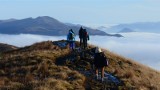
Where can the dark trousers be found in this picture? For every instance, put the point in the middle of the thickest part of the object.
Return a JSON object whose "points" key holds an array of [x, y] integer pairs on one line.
{"points": [[72, 45], [81, 41], [84, 43]]}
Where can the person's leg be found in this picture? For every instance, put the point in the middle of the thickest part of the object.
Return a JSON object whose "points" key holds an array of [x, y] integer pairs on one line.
{"points": [[96, 73], [86, 43], [80, 42], [102, 73], [83, 43], [72, 45]]}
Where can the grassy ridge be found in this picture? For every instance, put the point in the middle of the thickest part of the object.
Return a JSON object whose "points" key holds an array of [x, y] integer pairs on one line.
{"points": [[46, 66], [132, 73], [34, 67]]}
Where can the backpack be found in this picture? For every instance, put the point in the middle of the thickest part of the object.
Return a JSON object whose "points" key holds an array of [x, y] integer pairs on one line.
{"points": [[71, 36], [85, 34], [105, 60]]}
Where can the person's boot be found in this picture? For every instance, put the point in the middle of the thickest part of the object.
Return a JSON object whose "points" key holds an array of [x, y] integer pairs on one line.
{"points": [[102, 80], [96, 77]]}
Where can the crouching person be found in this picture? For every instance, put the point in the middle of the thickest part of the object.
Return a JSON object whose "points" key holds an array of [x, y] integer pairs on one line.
{"points": [[100, 61]]}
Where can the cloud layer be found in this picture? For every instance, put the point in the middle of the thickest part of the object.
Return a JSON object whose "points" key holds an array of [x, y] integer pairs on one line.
{"points": [[141, 47]]}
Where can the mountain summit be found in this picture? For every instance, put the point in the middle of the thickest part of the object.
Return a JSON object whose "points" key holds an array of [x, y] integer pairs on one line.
{"points": [[43, 25]]}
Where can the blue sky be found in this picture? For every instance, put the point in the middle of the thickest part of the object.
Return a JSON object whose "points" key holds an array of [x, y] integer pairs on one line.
{"points": [[86, 12]]}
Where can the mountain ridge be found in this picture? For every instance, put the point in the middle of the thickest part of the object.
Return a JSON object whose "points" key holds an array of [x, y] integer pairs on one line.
{"points": [[44, 25], [6, 47], [152, 27], [51, 65]]}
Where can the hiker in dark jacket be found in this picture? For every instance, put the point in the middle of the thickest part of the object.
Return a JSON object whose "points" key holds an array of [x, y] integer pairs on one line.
{"points": [[81, 35], [71, 39], [99, 62], [85, 36]]}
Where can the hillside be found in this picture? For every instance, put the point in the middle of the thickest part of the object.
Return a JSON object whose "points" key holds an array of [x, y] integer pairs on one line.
{"points": [[51, 66], [6, 47], [44, 25]]}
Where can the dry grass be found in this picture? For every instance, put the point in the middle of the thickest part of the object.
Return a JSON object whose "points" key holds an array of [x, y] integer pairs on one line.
{"points": [[34, 68], [132, 73], [6, 47]]}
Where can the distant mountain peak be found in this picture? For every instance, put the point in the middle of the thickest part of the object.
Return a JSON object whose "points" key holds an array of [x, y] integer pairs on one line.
{"points": [[47, 19], [152, 27], [126, 30], [44, 17]]}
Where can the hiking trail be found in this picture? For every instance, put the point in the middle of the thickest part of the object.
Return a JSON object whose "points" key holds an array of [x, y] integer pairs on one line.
{"points": [[82, 61]]}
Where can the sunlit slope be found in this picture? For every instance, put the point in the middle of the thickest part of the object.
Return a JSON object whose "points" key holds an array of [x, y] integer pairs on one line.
{"points": [[51, 66]]}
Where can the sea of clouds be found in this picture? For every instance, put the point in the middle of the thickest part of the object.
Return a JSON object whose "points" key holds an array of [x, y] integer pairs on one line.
{"points": [[141, 47]]}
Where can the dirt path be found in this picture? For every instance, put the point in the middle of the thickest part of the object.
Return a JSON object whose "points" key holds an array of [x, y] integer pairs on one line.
{"points": [[82, 61]]}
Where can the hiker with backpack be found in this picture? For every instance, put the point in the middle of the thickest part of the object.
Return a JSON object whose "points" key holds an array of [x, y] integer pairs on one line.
{"points": [[85, 37], [71, 39], [100, 61], [81, 36]]}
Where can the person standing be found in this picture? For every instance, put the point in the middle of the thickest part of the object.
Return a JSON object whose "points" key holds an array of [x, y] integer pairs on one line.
{"points": [[81, 35], [85, 36], [71, 39], [99, 62]]}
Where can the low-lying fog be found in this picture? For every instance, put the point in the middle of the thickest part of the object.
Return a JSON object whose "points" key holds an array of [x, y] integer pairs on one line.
{"points": [[141, 47]]}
